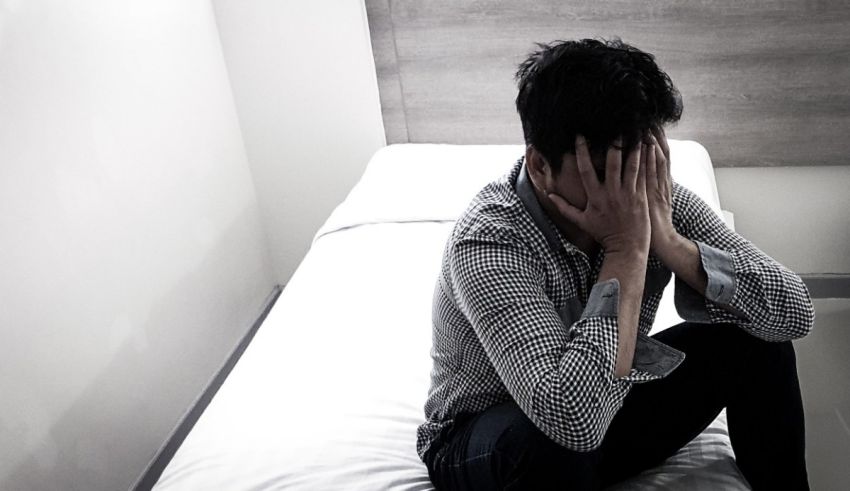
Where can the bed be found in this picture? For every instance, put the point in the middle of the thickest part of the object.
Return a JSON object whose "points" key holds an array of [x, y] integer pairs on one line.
{"points": [[330, 391]]}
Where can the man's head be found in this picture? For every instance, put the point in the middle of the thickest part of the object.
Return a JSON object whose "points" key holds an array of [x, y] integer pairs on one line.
{"points": [[600, 89]]}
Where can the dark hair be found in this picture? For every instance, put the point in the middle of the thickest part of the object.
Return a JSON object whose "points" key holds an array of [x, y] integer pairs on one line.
{"points": [[600, 89]]}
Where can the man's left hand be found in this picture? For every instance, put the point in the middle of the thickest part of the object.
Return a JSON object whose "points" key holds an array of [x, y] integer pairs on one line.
{"points": [[659, 193]]}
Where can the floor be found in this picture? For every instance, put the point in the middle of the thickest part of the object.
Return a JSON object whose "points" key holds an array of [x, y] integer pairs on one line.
{"points": [[823, 365]]}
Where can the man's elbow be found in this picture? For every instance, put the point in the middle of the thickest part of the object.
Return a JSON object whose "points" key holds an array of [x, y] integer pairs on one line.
{"points": [[801, 320], [807, 321], [575, 417], [584, 444], [578, 434], [791, 325]]}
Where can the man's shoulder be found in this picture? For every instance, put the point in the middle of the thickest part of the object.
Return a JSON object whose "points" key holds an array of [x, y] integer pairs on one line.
{"points": [[689, 208], [680, 193], [492, 213]]}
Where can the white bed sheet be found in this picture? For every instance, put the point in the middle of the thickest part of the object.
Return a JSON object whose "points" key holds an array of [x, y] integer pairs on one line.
{"points": [[330, 391]]}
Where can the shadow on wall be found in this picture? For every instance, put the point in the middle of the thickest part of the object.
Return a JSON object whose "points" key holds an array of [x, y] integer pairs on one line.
{"points": [[108, 436]]}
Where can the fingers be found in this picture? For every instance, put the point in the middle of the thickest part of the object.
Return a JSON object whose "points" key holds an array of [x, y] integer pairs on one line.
{"points": [[663, 169], [633, 167], [640, 186], [613, 164], [650, 163], [662, 166], [661, 140], [585, 167], [569, 211]]}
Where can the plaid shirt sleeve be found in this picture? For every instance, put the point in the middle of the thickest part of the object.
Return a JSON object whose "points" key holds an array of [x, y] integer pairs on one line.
{"points": [[561, 376], [745, 286]]}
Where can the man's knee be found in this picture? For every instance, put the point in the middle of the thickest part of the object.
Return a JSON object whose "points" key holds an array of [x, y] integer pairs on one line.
{"points": [[734, 335], [756, 347], [759, 356], [726, 355]]}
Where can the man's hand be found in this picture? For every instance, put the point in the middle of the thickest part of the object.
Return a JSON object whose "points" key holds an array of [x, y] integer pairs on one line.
{"points": [[676, 252], [617, 213], [659, 194], [617, 217]]}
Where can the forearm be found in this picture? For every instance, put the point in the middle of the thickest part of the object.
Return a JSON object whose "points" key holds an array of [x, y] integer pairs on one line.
{"points": [[681, 256], [629, 268]]}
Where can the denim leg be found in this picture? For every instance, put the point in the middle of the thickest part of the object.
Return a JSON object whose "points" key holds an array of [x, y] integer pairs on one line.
{"points": [[660, 417], [766, 418], [755, 380], [502, 449]]}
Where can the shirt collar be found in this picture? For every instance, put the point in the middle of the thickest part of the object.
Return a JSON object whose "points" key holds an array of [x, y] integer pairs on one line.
{"points": [[525, 192]]}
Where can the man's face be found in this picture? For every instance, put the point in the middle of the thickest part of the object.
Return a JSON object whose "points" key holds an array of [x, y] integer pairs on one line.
{"points": [[568, 183]]}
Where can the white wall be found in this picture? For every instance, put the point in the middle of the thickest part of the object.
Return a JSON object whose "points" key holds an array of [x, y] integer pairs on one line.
{"points": [[131, 249], [307, 96], [800, 216]]}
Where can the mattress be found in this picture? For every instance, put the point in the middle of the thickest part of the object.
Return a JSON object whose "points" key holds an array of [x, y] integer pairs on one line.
{"points": [[330, 391]]}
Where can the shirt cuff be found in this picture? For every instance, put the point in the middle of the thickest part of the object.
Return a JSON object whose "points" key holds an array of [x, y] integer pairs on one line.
{"points": [[652, 359], [720, 289], [604, 299], [720, 270]]}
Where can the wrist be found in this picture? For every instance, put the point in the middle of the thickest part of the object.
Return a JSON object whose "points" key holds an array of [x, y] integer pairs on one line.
{"points": [[663, 244], [626, 246], [628, 265]]}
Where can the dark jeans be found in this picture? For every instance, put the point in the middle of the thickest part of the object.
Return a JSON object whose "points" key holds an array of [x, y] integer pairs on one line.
{"points": [[756, 381]]}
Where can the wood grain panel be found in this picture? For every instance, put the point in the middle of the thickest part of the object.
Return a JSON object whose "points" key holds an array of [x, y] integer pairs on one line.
{"points": [[764, 83], [386, 68]]}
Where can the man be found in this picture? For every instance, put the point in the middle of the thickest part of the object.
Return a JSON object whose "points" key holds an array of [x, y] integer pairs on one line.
{"points": [[544, 376]]}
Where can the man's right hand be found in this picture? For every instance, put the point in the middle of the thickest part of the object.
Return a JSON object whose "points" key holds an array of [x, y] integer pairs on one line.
{"points": [[617, 217], [617, 213]]}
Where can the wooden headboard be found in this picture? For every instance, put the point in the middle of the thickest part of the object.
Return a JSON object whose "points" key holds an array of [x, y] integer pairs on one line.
{"points": [[764, 83]]}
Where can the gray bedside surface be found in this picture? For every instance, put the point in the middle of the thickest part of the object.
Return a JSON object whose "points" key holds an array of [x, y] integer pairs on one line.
{"points": [[823, 365]]}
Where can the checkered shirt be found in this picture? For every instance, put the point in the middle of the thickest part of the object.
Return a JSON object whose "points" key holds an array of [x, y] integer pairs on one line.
{"points": [[518, 314]]}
